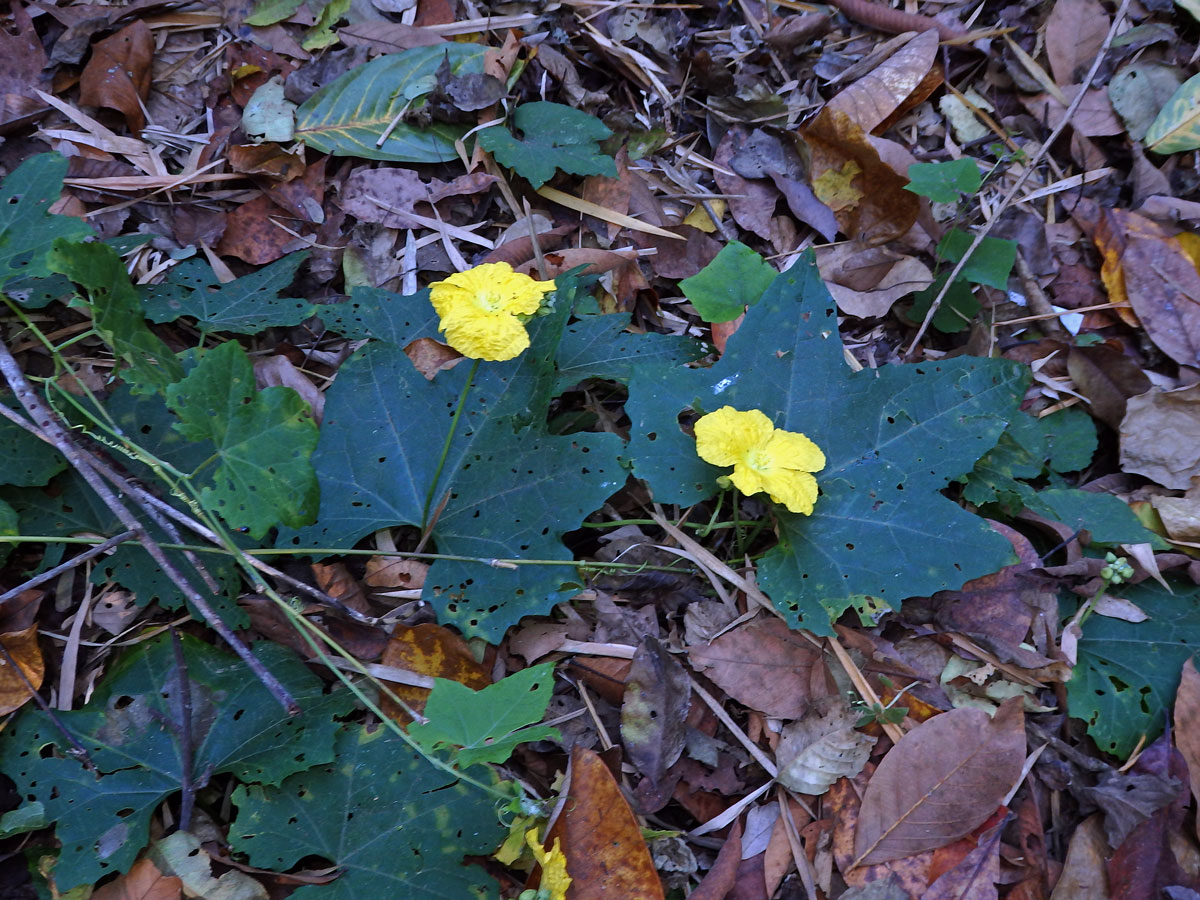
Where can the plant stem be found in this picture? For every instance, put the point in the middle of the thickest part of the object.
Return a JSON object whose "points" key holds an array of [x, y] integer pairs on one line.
{"points": [[437, 475]]}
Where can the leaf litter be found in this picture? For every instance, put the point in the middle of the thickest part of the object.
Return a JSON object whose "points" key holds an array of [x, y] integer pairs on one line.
{"points": [[928, 688]]}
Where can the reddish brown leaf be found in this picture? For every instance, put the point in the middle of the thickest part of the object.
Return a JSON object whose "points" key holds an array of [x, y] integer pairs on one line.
{"points": [[432, 650], [118, 74], [430, 357], [766, 666], [606, 854], [267, 159], [718, 881], [1187, 721], [843, 802], [877, 208], [876, 95], [1075, 31], [21, 62], [143, 881], [1108, 378], [975, 876], [940, 782]]}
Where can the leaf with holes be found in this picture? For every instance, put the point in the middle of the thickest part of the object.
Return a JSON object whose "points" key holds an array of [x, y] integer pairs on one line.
{"points": [[27, 460], [508, 489], [1127, 673], [392, 824], [893, 437], [26, 230], [263, 441], [248, 305], [350, 116], [130, 730]]}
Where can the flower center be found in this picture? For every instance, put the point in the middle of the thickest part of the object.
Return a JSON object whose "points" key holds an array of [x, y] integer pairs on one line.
{"points": [[759, 460]]}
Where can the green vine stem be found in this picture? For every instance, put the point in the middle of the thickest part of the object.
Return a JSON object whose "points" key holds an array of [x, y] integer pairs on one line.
{"points": [[437, 475]]}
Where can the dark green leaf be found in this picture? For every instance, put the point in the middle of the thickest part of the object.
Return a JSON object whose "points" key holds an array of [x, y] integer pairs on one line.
{"points": [[944, 182], [248, 305], [553, 137], [26, 229], [28, 460], [382, 315], [991, 262], [1127, 673], [485, 726], [117, 312], [511, 489], [263, 442], [735, 278], [893, 437], [600, 347], [349, 116], [958, 308], [394, 825], [1109, 519], [130, 729]]}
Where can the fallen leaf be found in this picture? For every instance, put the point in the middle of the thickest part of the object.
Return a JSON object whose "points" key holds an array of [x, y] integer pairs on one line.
{"points": [[719, 880], [875, 96], [180, 854], [1128, 799], [838, 146], [751, 201], [142, 882], [399, 198], [433, 650], [843, 802], [1137, 93], [21, 62], [866, 281], [1160, 436], [976, 874], [606, 853], [1094, 117], [1177, 126], [1180, 515], [1187, 721], [118, 74], [1107, 378], [766, 666], [658, 694], [430, 356], [1075, 32], [940, 782], [1083, 875], [822, 747], [267, 159]]}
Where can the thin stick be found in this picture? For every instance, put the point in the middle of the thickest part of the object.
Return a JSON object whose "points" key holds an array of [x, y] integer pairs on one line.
{"points": [[46, 420], [187, 749], [1021, 179], [50, 574]]}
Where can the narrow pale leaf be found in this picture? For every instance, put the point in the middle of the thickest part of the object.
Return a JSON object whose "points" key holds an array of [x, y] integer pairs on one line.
{"points": [[1177, 126]]}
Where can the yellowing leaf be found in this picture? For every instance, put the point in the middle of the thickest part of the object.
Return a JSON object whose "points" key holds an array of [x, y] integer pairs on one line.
{"points": [[1177, 127], [555, 879], [835, 188]]}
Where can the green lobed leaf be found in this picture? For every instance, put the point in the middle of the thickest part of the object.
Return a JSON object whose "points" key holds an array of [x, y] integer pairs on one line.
{"points": [[944, 182], [1126, 674], [1108, 519], [392, 824], [321, 34], [893, 437], [600, 347], [1176, 128], [117, 312], [958, 308], [485, 726], [349, 116], [250, 304], [268, 12], [736, 277], [382, 315], [554, 136], [26, 229], [511, 489], [991, 262], [130, 729], [263, 441]]}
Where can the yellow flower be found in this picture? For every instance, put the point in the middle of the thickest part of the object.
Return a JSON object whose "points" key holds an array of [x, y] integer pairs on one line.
{"points": [[764, 458], [555, 879], [479, 310]]}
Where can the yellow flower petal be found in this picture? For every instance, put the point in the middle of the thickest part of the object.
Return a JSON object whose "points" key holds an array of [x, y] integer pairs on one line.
{"points": [[727, 436], [795, 490], [490, 336], [479, 308], [554, 866], [791, 450]]}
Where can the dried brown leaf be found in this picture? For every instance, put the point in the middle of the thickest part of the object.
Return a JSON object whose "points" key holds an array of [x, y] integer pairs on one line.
{"points": [[843, 803], [765, 666], [1107, 378], [1075, 31], [432, 650], [1160, 436], [719, 880], [866, 281], [1083, 876], [1187, 720], [975, 875], [871, 203], [430, 357], [940, 782], [751, 201], [606, 853], [658, 694], [876, 95], [118, 74], [143, 881], [822, 747]]}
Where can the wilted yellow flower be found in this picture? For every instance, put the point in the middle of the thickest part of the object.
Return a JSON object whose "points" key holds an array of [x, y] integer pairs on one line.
{"points": [[555, 879], [764, 458], [479, 310]]}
